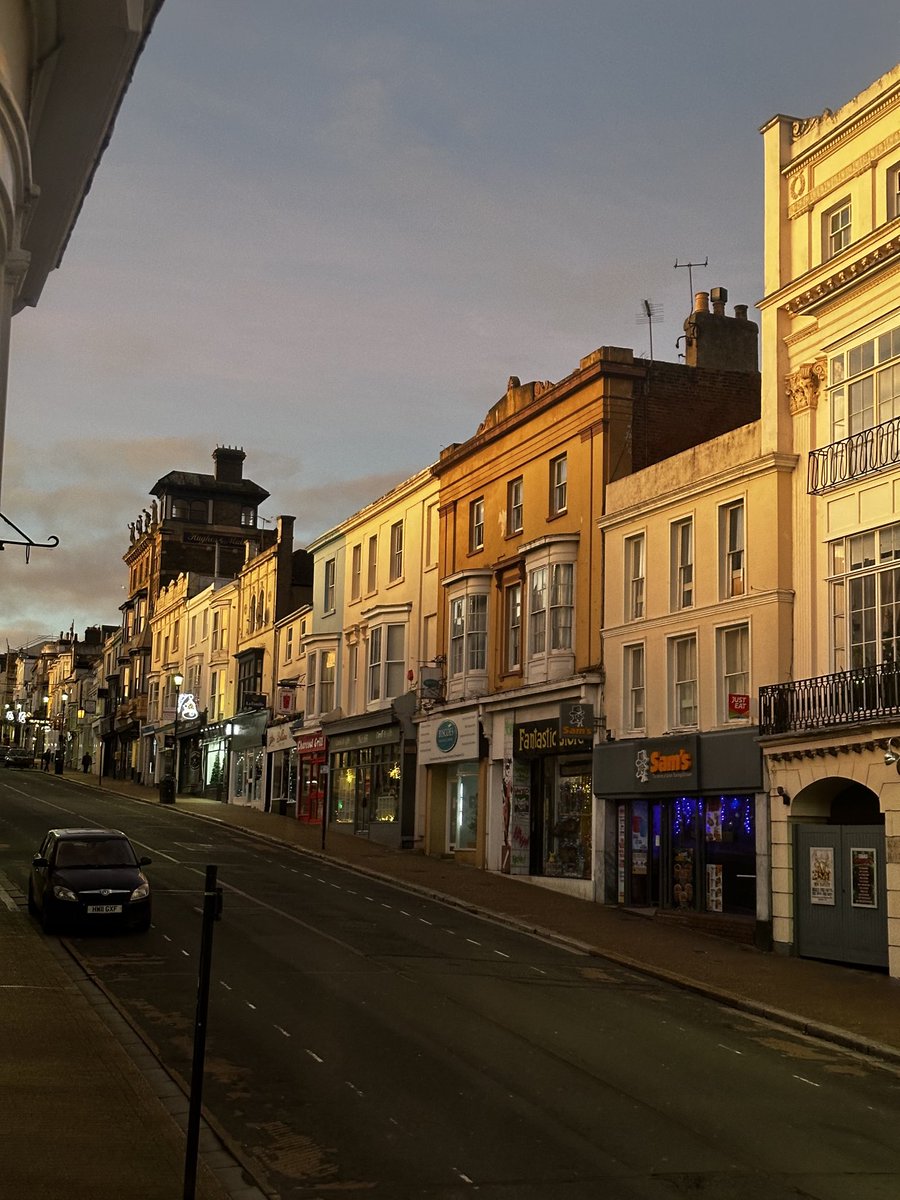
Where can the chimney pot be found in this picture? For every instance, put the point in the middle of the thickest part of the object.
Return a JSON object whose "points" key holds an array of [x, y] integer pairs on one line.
{"points": [[740, 312], [701, 302]]}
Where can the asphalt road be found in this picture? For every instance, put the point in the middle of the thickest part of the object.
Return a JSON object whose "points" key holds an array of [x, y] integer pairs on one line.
{"points": [[364, 1040]]}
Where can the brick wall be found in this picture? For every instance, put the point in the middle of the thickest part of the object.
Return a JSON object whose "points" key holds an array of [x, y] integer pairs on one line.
{"points": [[677, 407]]}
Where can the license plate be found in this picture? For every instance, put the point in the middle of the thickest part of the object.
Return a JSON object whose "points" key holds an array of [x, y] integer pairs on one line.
{"points": [[104, 908]]}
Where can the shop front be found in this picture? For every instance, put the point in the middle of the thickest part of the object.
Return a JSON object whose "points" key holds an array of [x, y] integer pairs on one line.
{"points": [[686, 822], [372, 770], [281, 769], [449, 748], [312, 770], [548, 799], [248, 758], [214, 748]]}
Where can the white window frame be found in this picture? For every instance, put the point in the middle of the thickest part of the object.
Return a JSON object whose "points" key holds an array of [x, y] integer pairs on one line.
{"points": [[356, 571], [512, 616], [328, 585], [733, 673], [635, 578], [837, 228], [476, 525], [635, 689], [682, 560], [684, 706], [562, 606], [733, 549], [372, 565], [469, 618], [515, 509], [288, 643], [396, 561], [537, 611], [893, 192], [559, 485]]}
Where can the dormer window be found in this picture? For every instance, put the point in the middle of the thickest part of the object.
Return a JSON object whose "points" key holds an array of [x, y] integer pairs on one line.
{"points": [[181, 509], [248, 515]]}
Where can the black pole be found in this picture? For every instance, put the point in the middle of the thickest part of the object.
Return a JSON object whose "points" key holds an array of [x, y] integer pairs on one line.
{"points": [[211, 909], [325, 807]]}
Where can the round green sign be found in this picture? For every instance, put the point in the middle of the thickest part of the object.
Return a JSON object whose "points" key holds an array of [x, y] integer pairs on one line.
{"points": [[447, 736]]}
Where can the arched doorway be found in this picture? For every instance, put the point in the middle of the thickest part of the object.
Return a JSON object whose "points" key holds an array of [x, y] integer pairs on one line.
{"points": [[840, 896]]}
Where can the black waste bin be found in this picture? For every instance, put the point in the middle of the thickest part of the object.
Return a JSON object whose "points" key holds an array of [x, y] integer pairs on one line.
{"points": [[58, 764], [167, 789]]}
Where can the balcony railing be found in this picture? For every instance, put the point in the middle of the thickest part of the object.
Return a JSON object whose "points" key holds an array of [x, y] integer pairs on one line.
{"points": [[861, 454], [830, 701]]}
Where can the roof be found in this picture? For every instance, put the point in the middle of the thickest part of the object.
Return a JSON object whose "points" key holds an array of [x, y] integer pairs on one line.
{"points": [[194, 481]]}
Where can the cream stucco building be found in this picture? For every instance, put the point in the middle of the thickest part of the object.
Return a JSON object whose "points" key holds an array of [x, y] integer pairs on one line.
{"points": [[831, 397]]}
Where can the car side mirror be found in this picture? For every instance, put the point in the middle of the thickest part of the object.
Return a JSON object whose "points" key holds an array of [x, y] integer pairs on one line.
{"points": [[145, 861], [39, 861]]}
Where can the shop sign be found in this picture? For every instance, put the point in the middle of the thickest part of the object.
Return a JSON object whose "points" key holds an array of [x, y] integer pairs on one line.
{"points": [[576, 720], [660, 764], [738, 705], [365, 737], [447, 736], [539, 738], [311, 743], [448, 739], [279, 737]]}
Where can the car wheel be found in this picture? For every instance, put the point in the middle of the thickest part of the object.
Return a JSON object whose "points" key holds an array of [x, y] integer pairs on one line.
{"points": [[47, 923], [32, 907], [143, 926]]}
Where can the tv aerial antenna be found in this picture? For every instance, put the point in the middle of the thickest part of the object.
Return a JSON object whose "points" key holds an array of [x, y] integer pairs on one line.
{"points": [[690, 270], [649, 312]]}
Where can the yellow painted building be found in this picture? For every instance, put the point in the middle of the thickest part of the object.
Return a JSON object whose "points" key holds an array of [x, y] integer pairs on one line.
{"points": [[831, 387], [508, 744]]}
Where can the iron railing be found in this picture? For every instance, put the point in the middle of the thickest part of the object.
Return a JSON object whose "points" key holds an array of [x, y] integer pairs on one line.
{"points": [[849, 697], [853, 457]]}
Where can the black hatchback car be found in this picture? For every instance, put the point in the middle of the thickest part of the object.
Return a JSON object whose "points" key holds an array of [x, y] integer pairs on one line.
{"points": [[89, 876]]}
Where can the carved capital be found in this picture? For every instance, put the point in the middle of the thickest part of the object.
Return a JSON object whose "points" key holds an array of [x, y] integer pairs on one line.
{"points": [[803, 386]]}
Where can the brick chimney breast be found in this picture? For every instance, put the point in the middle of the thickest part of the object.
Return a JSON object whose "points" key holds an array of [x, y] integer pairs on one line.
{"points": [[716, 342], [229, 462]]}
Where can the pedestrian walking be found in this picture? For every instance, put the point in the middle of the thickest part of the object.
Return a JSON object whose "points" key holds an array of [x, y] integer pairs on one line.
{"points": [[45, 759], [86, 761]]}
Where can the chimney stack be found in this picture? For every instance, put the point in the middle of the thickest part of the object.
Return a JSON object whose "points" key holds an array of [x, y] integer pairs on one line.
{"points": [[716, 342], [229, 462]]}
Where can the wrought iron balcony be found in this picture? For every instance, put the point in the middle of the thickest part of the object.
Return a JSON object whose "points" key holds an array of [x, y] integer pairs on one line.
{"points": [[853, 457], [830, 701]]}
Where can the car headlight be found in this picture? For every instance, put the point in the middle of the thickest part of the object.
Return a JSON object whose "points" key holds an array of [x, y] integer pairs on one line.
{"points": [[63, 893], [141, 892]]}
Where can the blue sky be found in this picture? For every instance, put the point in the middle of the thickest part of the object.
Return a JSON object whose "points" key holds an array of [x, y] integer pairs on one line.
{"points": [[328, 231]]}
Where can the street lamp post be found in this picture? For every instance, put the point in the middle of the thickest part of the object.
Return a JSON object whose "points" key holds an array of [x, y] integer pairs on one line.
{"points": [[178, 680]]}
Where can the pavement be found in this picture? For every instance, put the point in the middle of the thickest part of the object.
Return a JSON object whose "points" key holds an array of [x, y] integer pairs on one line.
{"points": [[57, 1026]]}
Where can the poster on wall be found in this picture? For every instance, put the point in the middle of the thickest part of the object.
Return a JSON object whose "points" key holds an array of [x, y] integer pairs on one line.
{"points": [[683, 872], [639, 837], [821, 875], [620, 854], [520, 820], [862, 875], [713, 887], [713, 823]]}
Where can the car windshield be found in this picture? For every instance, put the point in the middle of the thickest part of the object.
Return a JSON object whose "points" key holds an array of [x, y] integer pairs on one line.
{"points": [[95, 852]]}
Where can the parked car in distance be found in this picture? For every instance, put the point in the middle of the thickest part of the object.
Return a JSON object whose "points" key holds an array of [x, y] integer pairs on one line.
{"points": [[82, 877], [18, 756]]}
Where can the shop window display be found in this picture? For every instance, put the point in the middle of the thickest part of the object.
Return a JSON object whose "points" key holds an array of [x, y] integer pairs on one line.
{"points": [[567, 825]]}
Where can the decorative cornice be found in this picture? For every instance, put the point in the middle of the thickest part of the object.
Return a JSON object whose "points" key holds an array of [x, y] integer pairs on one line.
{"points": [[798, 183], [845, 277], [802, 386]]}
